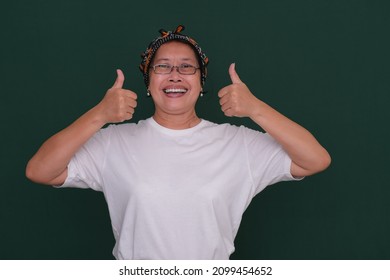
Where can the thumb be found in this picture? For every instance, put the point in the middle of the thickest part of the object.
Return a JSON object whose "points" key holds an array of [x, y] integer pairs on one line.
{"points": [[119, 79], [233, 74]]}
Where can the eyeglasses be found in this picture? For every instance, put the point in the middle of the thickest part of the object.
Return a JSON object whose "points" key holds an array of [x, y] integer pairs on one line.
{"points": [[185, 69]]}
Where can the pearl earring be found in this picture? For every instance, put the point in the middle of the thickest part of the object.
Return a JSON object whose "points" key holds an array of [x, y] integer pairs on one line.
{"points": [[148, 93]]}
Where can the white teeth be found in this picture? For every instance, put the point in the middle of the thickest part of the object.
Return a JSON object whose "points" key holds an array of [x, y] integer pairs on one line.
{"points": [[175, 90]]}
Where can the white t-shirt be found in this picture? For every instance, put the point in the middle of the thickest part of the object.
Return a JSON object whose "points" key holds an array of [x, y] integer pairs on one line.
{"points": [[177, 194]]}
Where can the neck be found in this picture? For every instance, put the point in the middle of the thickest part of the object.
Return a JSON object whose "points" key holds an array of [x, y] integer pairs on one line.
{"points": [[176, 121]]}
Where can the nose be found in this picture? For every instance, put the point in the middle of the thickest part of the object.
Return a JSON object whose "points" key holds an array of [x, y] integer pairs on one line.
{"points": [[174, 76]]}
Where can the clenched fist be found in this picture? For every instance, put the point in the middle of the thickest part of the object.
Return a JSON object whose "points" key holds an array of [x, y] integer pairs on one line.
{"points": [[236, 99], [118, 104]]}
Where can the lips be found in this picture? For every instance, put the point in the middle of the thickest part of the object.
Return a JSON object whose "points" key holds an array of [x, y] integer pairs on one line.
{"points": [[175, 91]]}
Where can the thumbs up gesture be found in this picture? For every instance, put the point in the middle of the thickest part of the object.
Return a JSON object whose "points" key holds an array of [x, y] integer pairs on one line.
{"points": [[118, 104], [236, 99]]}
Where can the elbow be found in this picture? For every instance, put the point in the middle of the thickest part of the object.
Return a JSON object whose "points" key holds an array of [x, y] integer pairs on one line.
{"points": [[323, 162], [326, 160], [34, 174], [316, 165], [31, 173], [39, 174]]}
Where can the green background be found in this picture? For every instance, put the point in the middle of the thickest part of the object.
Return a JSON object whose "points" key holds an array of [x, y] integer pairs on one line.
{"points": [[324, 64]]}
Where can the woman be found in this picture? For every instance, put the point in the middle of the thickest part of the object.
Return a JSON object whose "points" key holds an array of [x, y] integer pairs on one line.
{"points": [[176, 185]]}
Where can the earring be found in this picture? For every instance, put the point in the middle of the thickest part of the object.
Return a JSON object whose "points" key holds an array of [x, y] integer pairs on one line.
{"points": [[201, 92], [147, 93]]}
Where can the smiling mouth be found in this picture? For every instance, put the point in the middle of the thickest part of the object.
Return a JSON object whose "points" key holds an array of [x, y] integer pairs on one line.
{"points": [[175, 92]]}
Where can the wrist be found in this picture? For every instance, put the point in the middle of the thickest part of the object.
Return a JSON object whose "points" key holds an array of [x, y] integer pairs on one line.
{"points": [[257, 110], [96, 117]]}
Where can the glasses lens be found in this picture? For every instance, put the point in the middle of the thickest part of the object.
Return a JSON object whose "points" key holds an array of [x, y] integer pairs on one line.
{"points": [[187, 69], [162, 69], [184, 69]]}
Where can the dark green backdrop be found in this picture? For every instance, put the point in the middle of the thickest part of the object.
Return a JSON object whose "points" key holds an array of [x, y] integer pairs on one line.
{"points": [[325, 64]]}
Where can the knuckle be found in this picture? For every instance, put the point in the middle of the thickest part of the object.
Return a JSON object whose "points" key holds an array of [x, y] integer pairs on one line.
{"points": [[121, 115], [118, 116]]}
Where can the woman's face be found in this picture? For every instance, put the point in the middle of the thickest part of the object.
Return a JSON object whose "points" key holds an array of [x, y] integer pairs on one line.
{"points": [[175, 93]]}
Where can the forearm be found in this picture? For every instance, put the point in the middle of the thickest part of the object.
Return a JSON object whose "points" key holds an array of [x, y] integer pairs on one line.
{"points": [[53, 157], [49, 164], [306, 153]]}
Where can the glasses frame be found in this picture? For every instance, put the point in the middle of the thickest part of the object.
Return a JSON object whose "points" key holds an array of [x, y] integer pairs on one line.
{"points": [[177, 68]]}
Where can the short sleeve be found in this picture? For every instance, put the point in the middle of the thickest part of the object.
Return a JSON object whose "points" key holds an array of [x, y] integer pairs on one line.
{"points": [[268, 162], [86, 167]]}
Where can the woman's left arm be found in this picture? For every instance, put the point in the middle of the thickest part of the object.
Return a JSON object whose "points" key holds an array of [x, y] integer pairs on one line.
{"points": [[307, 155]]}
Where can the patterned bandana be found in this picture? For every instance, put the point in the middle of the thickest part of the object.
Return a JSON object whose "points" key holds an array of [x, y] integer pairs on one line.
{"points": [[165, 37]]}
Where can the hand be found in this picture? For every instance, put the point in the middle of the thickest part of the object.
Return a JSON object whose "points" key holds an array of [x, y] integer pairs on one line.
{"points": [[237, 100], [118, 104]]}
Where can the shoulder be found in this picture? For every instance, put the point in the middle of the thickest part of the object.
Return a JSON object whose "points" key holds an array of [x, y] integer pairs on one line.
{"points": [[230, 129], [124, 128], [246, 136], [115, 132]]}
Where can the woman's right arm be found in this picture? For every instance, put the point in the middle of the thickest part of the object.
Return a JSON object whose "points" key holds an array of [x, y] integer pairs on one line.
{"points": [[50, 164]]}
